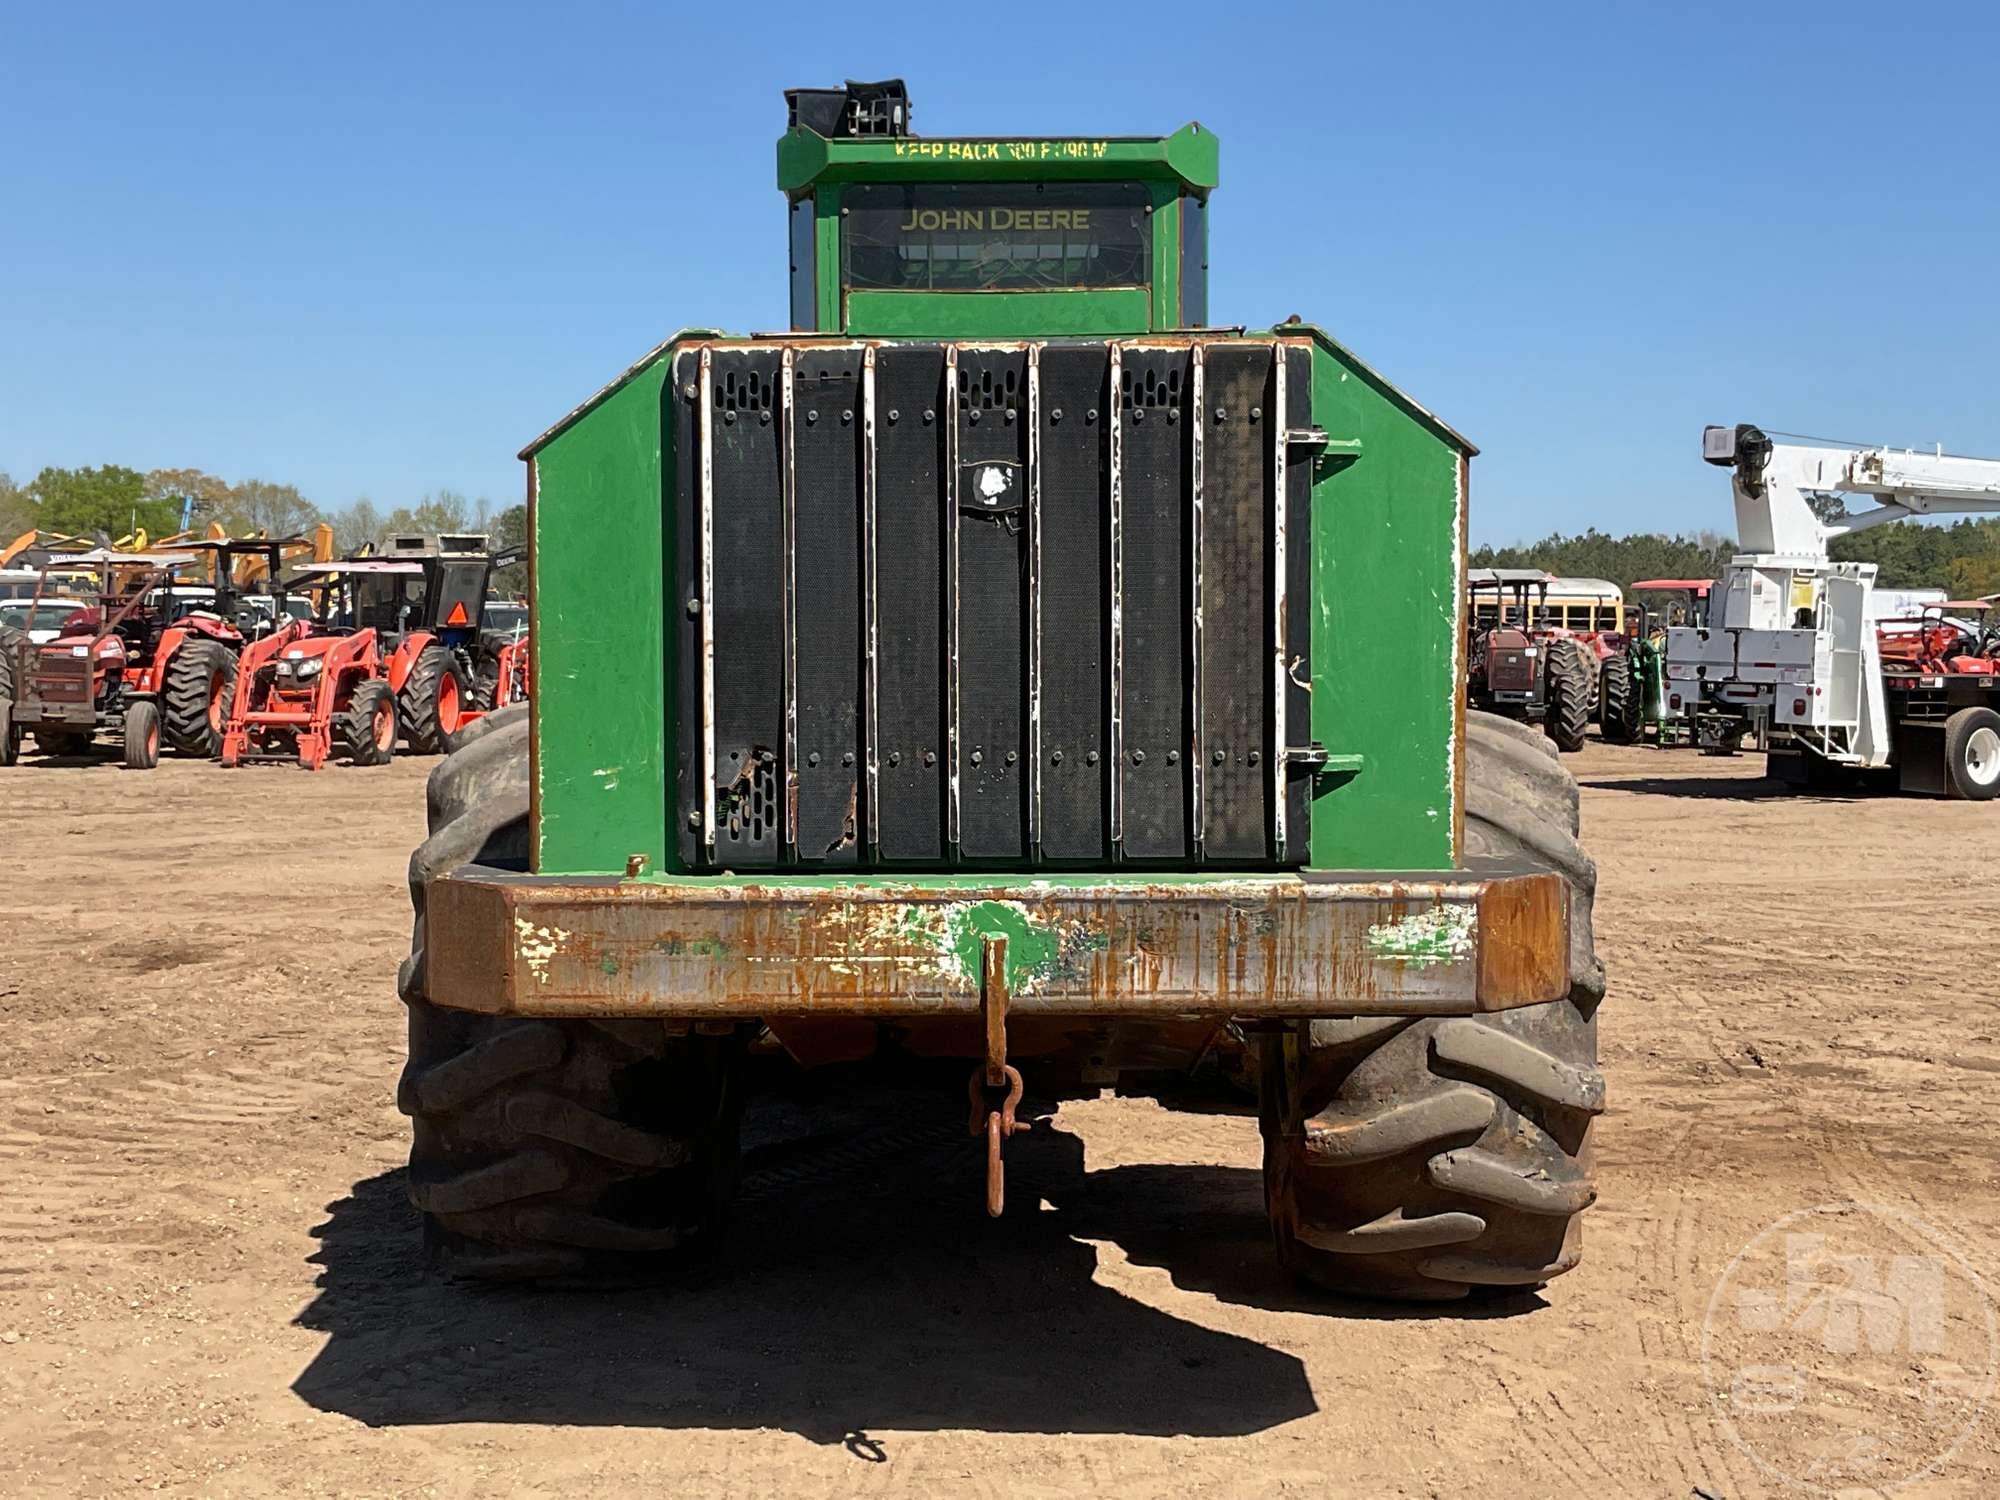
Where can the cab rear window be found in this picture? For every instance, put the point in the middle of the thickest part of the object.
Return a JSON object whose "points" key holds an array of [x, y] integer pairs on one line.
{"points": [[989, 237]]}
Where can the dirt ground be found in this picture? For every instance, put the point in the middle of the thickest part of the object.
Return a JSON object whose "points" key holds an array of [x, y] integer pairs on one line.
{"points": [[210, 1280]]}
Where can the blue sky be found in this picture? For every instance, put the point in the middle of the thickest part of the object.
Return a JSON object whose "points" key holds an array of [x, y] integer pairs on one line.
{"points": [[371, 250]]}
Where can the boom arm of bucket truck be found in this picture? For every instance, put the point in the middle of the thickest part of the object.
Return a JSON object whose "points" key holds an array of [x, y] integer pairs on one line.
{"points": [[1790, 637], [1774, 480]]}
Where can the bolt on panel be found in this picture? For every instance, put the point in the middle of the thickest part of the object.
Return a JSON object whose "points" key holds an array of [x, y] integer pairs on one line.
{"points": [[1030, 605], [909, 593], [1153, 561], [988, 630], [829, 594], [1073, 543], [1236, 601]]}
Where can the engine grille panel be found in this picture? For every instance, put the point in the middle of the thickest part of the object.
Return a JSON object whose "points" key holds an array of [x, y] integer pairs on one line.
{"points": [[973, 605]]}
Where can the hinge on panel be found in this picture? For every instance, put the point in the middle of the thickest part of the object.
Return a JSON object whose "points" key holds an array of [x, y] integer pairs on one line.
{"points": [[1334, 453], [1313, 760]]}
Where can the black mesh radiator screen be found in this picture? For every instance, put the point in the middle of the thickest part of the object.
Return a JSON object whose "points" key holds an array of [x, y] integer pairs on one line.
{"points": [[951, 605]]}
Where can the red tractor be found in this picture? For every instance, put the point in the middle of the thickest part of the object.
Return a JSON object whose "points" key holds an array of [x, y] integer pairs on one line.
{"points": [[105, 672], [181, 622], [415, 618], [1515, 668]]}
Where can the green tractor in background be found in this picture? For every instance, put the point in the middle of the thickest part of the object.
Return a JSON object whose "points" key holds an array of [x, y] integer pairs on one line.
{"points": [[992, 670], [1638, 702]]}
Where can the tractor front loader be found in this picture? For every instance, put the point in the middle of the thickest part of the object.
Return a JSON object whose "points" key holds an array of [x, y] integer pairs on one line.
{"points": [[992, 669], [307, 694], [424, 597]]}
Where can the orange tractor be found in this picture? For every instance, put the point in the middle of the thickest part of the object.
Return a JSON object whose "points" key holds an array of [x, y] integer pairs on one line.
{"points": [[401, 629]]}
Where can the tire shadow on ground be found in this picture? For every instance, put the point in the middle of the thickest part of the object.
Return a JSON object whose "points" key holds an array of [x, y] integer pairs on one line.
{"points": [[858, 1291], [1724, 788]]}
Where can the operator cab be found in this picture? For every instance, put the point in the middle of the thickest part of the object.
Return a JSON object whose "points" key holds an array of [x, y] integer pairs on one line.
{"points": [[896, 236]]}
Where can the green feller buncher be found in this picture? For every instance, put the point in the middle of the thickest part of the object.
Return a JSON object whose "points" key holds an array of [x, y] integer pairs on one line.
{"points": [[1004, 664]]}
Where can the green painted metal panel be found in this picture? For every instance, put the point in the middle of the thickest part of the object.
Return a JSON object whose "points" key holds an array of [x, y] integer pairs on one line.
{"points": [[1070, 311], [1166, 257], [601, 697], [1189, 156], [826, 239], [1388, 528]]}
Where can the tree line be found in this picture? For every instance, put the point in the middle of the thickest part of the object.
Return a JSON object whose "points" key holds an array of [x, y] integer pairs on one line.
{"points": [[1963, 558], [112, 501]]}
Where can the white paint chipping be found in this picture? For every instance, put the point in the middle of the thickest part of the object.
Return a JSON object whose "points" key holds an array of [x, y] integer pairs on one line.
{"points": [[1442, 935], [538, 945]]}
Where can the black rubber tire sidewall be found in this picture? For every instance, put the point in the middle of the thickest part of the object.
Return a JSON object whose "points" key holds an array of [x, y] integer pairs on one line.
{"points": [[1521, 811]]}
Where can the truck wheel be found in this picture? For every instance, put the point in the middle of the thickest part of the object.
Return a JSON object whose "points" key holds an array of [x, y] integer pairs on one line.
{"points": [[10, 739], [364, 732], [1972, 754], [195, 698], [552, 1149], [434, 699], [1571, 689], [1623, 710], [142, 735], [1422, 1160]]}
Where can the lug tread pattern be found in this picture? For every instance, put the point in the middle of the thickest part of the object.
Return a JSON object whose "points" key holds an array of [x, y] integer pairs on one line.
{"points": [[1505, 1059], [1336, 1136], [1572, 680], [1394, 1232], [1380, 1139], [417, 704], [354, 726], [1621, 722], [552, 1150], [184, 696]]}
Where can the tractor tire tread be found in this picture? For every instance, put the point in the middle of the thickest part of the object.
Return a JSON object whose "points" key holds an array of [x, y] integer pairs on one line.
{"points": [[1571, 689], [142, 735], [553, 1149], [1386, 1143], [1622, 720], [354, 726], [186, 693], [11, 638], [416, 704]]}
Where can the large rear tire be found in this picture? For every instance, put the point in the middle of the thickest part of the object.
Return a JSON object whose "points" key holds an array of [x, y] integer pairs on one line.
{"points": [[1423, 1160], [552, 1149], [1623, 710], [10, 738], [1572, 682], [195, 698], [435, 696], [11, 641]]}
